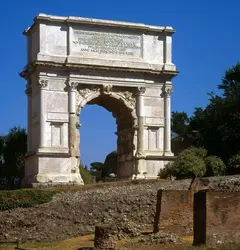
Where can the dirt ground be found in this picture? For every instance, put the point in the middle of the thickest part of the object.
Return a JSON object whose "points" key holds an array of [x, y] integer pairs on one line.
{"points": [[87, 242]]}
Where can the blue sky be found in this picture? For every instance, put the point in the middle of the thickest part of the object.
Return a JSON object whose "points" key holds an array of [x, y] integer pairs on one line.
{"points": [[207, 42]]}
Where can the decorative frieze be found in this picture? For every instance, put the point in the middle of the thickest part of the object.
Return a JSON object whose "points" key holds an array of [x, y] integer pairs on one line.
{"points": [[84, 92], [141, 90]]}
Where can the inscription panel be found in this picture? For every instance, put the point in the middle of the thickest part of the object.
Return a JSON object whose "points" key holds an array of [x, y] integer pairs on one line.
{"points": [[154, 121], [106, 43]]}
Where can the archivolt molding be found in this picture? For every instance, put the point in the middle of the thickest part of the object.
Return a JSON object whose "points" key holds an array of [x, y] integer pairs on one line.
{"points": [[86, 94]]}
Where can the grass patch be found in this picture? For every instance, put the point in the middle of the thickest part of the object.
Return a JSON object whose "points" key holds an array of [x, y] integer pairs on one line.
{"points": [[11, 199]]}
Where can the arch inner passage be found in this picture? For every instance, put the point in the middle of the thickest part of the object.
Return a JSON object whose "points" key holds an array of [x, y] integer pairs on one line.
{"points": [[125, 133]]}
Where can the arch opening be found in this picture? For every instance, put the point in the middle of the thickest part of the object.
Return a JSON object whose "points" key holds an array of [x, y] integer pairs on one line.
{"points": [[125, 120]]}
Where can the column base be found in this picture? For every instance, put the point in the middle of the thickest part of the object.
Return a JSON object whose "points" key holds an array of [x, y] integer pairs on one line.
{"points": [[141, 167], [51, 170], [139, 177]]}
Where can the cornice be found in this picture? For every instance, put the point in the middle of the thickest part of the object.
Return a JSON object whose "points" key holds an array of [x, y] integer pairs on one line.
{"points": [[70, 66], [43, 18]]}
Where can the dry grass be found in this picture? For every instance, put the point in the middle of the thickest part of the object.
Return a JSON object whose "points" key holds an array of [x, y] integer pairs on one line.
{"points": [[87, 242], [77, 243], [70, 244]]}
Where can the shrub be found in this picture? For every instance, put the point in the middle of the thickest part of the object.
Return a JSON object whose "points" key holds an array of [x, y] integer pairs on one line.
{"points": [[86, 176], [214, 166], [234, 164], [188, 165], [167, 171], [24, 198], [200, 152], [194, 162]]}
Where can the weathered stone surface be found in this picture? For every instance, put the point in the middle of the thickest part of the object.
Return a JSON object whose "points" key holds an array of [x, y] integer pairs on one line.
{"points": [[111, 230], [216, 217], [159, 238], [75, 213], [174, 212], [105, 237], [124, 67], [123, 227]]}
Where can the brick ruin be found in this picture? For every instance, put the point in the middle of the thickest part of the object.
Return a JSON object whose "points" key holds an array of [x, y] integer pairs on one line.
{"points": [[174, 211], [212, 215], [216, 217], [209, 211]]}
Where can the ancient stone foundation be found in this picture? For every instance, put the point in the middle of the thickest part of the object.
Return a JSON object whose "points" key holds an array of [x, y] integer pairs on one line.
{"points": [[71, 214]]}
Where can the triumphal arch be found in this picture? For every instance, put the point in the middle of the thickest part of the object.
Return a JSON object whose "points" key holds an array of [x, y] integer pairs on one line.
{"points": [[124, 67]]}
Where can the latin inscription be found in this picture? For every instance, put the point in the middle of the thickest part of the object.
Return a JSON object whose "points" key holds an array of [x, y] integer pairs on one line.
{"points": [[106, 43]]}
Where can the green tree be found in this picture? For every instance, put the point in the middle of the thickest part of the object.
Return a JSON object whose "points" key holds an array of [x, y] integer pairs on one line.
{"points": [[193, 162], [200, 152], [167, 172], [85, 174], [179, 123], [217, 127], [14, 149], [1, 155], [234, 164], [96, 166], [110, 164], [189, 164]]}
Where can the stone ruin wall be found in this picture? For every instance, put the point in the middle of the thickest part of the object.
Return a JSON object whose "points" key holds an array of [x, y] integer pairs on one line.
{"points": [[78, 212], [174, 212], [216, 217]]}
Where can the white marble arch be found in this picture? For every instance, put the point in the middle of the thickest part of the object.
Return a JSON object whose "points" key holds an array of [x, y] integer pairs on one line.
{"points": [[125, 67]]}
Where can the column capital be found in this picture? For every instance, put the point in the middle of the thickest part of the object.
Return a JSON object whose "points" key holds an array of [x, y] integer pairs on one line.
{"points": [[140, 155], [167, 91], [72, 85], [140, 90], [42, 83], [28, 90]]}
